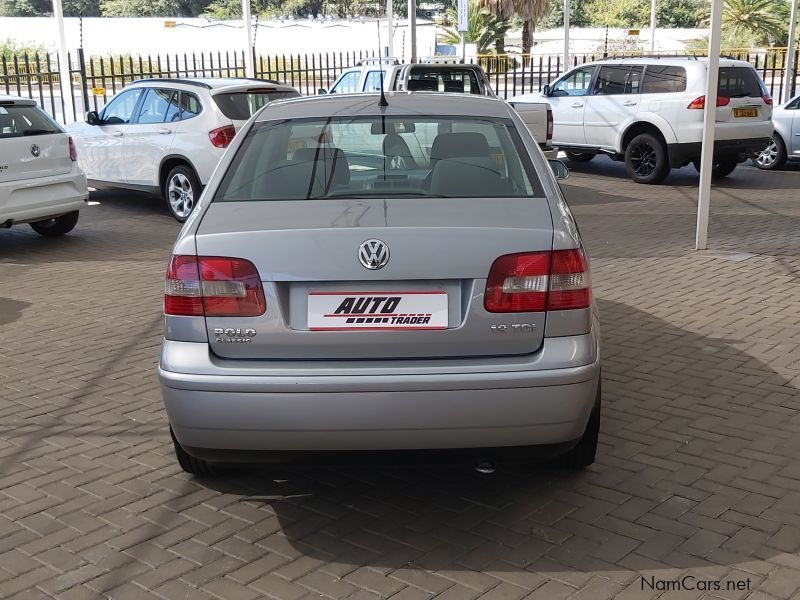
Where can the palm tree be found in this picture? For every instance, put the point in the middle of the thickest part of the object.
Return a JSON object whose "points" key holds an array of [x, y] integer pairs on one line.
{"points": [[530, 11], [483, 28], [757, 20]]}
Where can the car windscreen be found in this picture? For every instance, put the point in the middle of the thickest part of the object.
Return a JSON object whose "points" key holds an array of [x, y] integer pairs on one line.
{"points": [[240, 106], [739, 82], [461, 157], [19, 121]]}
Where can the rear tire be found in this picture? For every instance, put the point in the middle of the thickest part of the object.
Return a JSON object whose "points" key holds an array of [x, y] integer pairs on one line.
{"points": [[773, 157], [181, 192], [646, 159], [580, 157], [583, 454], [190, 464], [720, 167], [57, 225]]}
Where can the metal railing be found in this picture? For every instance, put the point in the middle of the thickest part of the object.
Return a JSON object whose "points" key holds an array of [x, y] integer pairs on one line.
{"points": [[95, 79]]}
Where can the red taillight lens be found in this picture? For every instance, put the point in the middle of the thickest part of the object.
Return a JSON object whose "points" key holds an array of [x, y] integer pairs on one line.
{"points": [[518, 283], [570, 285], [73, 151], [767, 99], [700, 103], [222, 136], [538, 281], [213, 286], [549, 125]]}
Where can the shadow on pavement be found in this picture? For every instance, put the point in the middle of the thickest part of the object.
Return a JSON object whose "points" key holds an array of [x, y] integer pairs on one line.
{"points": [[684, 447], [11, 310]]}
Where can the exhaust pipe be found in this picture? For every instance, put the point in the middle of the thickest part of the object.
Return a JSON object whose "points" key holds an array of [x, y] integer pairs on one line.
{"points": [[484, 466]]}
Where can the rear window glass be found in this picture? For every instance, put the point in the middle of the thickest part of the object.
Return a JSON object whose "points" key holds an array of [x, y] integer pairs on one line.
{"points": [[19, 121], [462, 81], [380, 157], [663, 80], [739, 82], [240, 106]]}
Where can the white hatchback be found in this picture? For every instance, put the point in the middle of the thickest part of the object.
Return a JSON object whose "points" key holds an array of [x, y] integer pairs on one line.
{"points": [[40, 182], [167, 135]]}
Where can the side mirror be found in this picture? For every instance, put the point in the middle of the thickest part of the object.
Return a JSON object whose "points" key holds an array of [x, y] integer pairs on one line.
{"points": [[92, 118], [546, 89], [559, 169], [321, 91]]}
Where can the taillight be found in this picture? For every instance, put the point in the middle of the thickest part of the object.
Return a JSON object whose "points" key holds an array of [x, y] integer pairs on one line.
{"points": [[549, 125], [767, 99], [570, 285], [73, 151], [221, 137], [538, 281], [214, 286], [700, 103]]}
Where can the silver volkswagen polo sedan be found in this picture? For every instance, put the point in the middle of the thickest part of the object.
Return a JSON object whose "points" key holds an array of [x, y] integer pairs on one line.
{"points": [[360, 278]]}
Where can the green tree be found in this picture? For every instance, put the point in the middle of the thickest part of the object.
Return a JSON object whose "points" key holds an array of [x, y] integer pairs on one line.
{"points": [[483, 28], [689, 14], [152, 8], [759, 21]]}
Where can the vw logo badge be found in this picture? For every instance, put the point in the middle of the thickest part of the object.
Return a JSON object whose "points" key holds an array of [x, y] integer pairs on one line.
{"points": [[373, 254], [35, 151]]}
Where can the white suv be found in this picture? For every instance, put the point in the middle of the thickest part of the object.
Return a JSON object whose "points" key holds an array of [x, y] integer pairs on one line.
{"points": [[167, 135], [648, 112], [40, 182]]}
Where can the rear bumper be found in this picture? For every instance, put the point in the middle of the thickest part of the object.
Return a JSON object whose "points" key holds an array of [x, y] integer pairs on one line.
{"points": [[683, 154], [228, 417], [41, 198]]}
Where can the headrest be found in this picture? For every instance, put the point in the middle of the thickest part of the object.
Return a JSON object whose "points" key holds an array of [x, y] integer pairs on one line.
{"points": [[330, 162], [452, 145], [454, 85]]}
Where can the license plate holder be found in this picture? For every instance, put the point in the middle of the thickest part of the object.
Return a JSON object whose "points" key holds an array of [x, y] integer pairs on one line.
{"points": [[745, 112], [377, 310]]}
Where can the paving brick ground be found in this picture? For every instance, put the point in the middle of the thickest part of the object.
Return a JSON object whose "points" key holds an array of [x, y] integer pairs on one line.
{"points": [[698, 473]]}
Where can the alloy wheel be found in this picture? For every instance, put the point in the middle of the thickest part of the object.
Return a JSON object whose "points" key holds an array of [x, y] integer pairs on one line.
{"points": [[181, 195], [644, 159], [768, 156]]}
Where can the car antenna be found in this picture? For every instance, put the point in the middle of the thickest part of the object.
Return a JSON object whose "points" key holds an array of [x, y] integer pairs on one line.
{"points": [[382, 101]]}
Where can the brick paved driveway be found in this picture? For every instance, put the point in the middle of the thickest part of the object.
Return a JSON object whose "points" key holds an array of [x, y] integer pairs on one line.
{"points": [[698, 471]]}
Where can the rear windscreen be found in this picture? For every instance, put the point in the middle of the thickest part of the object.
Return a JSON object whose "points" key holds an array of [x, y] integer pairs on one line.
{"points": [[461, 81], [739, 82], [240, 106], [19, 121], [411, 157]]}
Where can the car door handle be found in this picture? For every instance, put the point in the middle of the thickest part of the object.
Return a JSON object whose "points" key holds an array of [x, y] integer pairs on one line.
{"points": [[577, 105], [117, 133], [164, 131], [630, 103]]}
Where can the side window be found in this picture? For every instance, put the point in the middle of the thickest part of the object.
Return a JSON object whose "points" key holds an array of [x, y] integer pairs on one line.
{"points": [[155, 106], [174, 109], [190, 106], [659, 79], [372, 83], [575, 83], [611, 80], [794, 104], [120, 110], [348, 84], [634, 85]]}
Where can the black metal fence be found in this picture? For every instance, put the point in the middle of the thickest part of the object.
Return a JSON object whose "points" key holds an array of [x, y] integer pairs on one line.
{"points": [[95, 79]]}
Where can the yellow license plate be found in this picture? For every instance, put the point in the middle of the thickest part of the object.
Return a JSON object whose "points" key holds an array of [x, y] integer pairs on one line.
{"points": [[745, 112]]}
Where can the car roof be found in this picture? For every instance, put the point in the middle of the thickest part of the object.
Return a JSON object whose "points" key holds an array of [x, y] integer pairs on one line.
{"points": [[17, 100], [212, 83], [668, 60], [401, 104]]}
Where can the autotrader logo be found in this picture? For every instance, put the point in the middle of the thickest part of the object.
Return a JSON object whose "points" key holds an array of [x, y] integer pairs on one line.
{"points": [[692, 583]]}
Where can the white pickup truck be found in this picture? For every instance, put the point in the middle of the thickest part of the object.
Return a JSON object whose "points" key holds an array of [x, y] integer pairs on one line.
{"points": [[439, 75]]}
